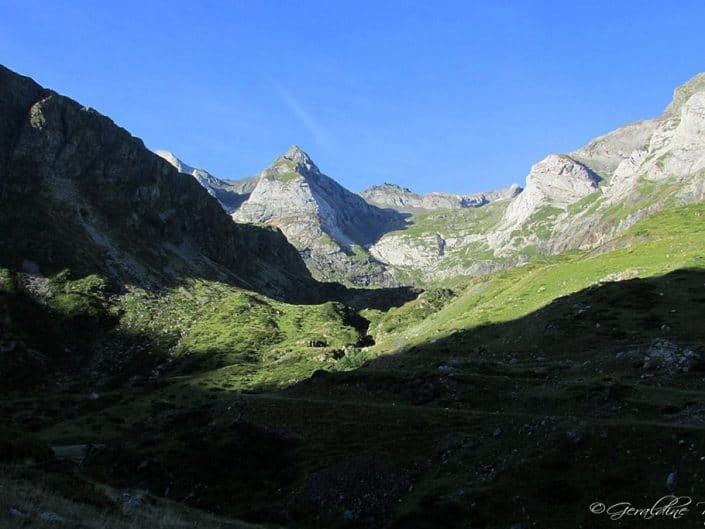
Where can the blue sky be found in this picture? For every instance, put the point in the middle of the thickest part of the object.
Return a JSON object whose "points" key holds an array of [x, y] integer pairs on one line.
{"points": [[451, 96]]}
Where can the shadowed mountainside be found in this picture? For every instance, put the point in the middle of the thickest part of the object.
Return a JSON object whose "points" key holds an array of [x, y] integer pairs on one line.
{"points": [[79, 192]]}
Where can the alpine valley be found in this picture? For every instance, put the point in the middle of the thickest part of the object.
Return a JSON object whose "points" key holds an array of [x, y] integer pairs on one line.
{"points": [[390, 236], [183, 350]]}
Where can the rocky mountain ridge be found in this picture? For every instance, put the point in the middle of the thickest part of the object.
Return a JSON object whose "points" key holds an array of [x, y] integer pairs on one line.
{"points": [[577, 200], [335, 230], [230, 194], [666, 169], [574, 200], [404, 200]]}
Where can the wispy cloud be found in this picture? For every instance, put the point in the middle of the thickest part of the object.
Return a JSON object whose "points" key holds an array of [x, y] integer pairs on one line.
{"points": [[319, 135]]}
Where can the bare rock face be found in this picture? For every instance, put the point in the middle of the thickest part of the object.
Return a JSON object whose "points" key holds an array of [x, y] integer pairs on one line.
{"points": [[665, 169], [683, 93], [330, 226], [400, 251], [604, 154], [404, 200], [556, 181], [79, 192], [579, 200], [674, 149]]}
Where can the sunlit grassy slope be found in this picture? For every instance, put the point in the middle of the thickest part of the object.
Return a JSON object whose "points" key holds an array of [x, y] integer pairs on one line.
{"points": [[664, 242]]}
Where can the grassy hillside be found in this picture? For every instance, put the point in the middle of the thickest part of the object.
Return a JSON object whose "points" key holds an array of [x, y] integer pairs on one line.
{"points": [[244, 339], [518, 398], [667, 241]]}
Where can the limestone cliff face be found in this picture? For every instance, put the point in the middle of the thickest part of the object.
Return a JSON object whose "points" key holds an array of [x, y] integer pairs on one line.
{"points": [[666, 168], [328, 224], [556, 181], [485, 237], [604, 154], [79, 192], [578, 200]]}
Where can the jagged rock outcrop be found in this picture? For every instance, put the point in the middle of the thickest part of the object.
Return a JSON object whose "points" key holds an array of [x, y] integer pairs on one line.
{"points": [[79, 192], [328, 224], [645, 167], [404, 200], [556, 181], [683, 93], [230, 194]]}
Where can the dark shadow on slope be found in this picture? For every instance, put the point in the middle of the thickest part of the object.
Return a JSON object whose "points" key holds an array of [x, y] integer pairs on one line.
{"points": [[385, 220], [604, 319], [549, 409], [230, 200], [83, 347], [591, 397], [84, 373]]}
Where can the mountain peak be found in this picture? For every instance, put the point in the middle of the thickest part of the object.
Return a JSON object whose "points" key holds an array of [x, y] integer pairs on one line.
{"points": [[296, 154], [293, 163], [301, 159]]}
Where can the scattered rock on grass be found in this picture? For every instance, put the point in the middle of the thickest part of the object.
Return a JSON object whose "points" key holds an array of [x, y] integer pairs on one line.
{"points": [[671, 358]]}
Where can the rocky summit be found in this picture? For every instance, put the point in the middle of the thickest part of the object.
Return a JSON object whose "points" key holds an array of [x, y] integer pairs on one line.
{"points": [[556, 181], [576, 200], [329, 225]]}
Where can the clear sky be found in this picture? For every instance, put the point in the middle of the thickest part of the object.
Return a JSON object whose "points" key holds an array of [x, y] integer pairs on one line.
{"points": [[452, 96]]}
